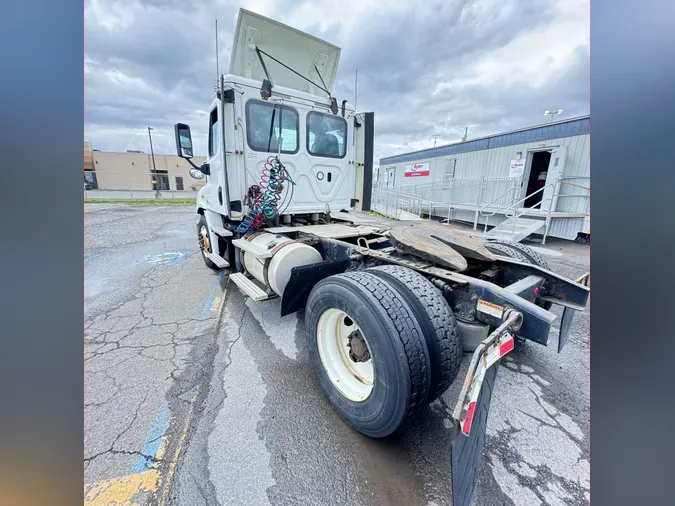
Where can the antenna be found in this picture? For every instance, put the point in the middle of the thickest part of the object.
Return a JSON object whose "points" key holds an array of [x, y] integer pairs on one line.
{"points": [[356, 87], [217, 69]]}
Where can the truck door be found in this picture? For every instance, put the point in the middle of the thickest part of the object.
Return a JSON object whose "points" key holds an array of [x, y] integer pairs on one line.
{"points": [[214, 188], [328, 144]]}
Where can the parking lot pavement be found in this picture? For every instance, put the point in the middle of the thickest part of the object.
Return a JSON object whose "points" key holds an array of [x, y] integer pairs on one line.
{"points": [[197, 395]]}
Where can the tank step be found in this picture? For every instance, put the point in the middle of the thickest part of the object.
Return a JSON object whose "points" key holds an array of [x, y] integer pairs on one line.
{"points": [[248, 287], [218, 260], [251, 248], [222, 232]]}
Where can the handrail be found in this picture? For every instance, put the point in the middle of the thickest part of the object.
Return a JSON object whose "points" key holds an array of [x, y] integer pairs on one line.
{"points": [[482, 208], [514, 205], [415, 198]]}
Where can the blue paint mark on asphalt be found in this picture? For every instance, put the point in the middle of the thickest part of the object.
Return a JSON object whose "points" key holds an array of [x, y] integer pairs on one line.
{"points": [[153, 440], [168, 259], [208, 305]]}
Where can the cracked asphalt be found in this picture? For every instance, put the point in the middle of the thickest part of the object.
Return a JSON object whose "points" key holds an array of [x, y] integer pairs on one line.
{"points": [[195, 395]]}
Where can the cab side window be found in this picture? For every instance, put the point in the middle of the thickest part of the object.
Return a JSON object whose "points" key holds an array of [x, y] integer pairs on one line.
{"points": [[214, 132]]}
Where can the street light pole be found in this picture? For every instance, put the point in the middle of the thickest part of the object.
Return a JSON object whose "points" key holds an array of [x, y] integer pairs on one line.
{"points": [[552, 113], [154, 167]]}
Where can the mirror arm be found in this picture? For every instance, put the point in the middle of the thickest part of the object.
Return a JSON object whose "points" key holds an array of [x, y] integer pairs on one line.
{"points": [[204, 169]]}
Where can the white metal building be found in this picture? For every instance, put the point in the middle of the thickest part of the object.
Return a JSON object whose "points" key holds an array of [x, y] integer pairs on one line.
{"points": [[532, 180]]}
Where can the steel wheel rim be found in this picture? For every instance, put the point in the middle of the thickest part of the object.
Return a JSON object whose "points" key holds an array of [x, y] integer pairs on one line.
{"points": [[339, 340], [203, 237]]}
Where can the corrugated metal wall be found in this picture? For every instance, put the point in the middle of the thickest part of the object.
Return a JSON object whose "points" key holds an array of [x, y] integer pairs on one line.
{"points": [[494, 163], [490, 158]]}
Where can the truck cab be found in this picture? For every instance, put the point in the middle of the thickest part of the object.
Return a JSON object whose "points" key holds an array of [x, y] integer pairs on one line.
{"points": [[276, 105]]}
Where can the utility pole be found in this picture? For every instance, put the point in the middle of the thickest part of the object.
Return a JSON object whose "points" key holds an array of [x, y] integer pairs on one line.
{"points": [[154, 168], [466, 132], [434, 137]]}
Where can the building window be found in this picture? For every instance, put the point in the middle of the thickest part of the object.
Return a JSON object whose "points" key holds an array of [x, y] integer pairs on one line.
{"points": [[326, 135], [160, 180], [449, 172], [262, 127], [179, 183], [214, 132], [90, 181]]}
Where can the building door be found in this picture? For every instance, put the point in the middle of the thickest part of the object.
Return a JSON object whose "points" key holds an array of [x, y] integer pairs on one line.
{"points": [[536, 179], [391, 176], [555, 170]]}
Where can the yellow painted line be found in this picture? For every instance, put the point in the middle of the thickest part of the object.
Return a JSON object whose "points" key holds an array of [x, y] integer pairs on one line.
{"points": [[217, 305], [123, 491], [166, 485], [126, 490]]}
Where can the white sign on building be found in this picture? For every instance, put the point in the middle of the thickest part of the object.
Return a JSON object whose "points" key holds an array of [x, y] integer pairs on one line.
{"points": [[517, 168]]}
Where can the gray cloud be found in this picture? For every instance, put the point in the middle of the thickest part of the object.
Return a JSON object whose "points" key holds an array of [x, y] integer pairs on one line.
{"points": [[156, 66]]}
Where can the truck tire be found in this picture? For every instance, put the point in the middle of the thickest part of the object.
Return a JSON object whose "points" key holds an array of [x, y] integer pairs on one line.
{"points": [[519, 254], [204, 241], [534, 257], [368, 351], [436, 319], [504, 250]]}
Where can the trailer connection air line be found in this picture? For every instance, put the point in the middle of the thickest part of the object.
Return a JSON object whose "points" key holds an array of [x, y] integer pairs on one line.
{"points": [[268, 200]]}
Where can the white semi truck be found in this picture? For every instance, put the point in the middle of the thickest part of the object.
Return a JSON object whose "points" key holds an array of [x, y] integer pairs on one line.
{"points": [[389, 309]]}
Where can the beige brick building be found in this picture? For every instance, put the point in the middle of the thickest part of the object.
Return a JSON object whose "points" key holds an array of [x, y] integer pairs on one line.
{"points": [[124, 171]]}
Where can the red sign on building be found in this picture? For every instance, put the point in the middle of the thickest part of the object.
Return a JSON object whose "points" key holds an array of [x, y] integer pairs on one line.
{"points": [[417, 170]]}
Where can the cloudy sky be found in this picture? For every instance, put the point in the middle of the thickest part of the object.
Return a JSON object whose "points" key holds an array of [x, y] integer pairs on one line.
{"points": [[425, 68]]}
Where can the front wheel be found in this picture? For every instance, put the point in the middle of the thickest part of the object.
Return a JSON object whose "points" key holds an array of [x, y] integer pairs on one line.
{"points": [[205, 241], [368, 351]]}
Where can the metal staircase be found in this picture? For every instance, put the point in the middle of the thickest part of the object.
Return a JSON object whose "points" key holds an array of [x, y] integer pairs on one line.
{"points": [[515, 229]]}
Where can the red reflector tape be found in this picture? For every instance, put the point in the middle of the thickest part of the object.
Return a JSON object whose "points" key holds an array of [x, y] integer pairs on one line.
{"points": [[466, 426], [506, 347]]}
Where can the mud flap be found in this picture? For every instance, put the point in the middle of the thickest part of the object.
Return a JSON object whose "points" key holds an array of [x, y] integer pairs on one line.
{"points": [[565, 325], [468, 450]]}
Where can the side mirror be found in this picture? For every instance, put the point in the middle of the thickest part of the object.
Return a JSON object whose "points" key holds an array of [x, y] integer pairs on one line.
{"points": [[196, 173], [183, 140]]}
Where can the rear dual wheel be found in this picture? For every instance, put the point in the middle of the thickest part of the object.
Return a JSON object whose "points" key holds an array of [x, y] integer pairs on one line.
{"points": [[526, 255], [369, 348]]}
